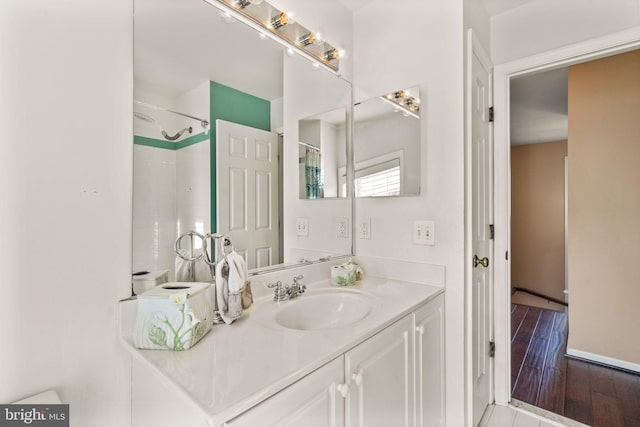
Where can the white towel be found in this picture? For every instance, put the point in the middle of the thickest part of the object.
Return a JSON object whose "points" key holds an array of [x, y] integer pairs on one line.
{"points": [[229, 287], [237, 272]]}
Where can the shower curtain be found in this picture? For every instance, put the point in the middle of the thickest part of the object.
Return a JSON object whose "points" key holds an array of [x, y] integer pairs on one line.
{"points": [[313, 171]]}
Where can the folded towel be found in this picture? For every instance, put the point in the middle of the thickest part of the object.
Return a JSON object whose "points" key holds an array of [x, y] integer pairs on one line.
{"points": [[233, 291]]}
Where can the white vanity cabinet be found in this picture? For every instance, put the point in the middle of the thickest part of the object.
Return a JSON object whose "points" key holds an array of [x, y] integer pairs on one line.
{"points": [[313, 401], [380, 374], [394, 378], [429, 351]]}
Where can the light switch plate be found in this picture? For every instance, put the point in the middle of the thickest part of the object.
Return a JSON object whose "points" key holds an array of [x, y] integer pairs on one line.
{"points": [[424, 233], [302, 227]]}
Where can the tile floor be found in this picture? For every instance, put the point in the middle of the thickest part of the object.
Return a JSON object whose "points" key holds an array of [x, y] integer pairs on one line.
{"points": [[508, 416]]}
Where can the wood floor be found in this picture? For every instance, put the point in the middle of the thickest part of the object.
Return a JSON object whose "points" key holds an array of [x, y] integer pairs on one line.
{"points": [[542, 376]]}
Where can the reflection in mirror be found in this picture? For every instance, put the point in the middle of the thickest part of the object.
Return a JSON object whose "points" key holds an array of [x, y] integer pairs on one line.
{"points": [[322, 148], [209, 151], [387, 145]]}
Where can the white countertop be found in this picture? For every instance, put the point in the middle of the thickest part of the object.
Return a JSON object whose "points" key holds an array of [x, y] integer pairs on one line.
{"points": [[237, 366]]}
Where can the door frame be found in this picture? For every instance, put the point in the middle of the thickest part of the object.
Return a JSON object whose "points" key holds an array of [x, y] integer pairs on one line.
{"points": [[612, 44]]}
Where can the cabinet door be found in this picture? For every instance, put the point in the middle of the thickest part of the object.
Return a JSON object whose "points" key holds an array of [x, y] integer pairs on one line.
{"points": [[313, 401], [380, 376], [430, 363]]}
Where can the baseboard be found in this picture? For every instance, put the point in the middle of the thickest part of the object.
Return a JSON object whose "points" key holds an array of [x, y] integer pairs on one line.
{"points": [[603, 360]]}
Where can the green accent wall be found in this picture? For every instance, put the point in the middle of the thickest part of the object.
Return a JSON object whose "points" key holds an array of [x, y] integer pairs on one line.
{"points": [[235, 106], [170, 145]]}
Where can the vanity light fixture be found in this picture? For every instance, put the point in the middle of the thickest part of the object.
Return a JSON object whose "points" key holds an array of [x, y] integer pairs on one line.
{"points": [[402, 100], [282, 27]]}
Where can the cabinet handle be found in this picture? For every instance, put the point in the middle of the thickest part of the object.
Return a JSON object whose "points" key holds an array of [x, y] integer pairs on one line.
{"points": [[420, 329], [343, 389], [357, 378]]}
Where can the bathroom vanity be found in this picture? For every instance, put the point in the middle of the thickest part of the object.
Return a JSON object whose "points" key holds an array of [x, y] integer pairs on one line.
{"points": [[377, 360]]}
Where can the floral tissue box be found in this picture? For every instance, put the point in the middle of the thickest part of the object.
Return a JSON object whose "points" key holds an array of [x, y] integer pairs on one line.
{"points": [[173, 316], [346, 274]]}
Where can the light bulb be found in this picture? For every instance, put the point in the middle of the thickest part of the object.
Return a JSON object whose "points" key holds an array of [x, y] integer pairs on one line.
{"points": [[341, 53], [279, 21], [291, 17], [331, 54], [290, 51], [307, 39], [241, 4], [319, 39]]}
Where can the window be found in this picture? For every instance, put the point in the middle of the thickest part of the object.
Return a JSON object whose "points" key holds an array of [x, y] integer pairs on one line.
{"points": [[378, 180]]}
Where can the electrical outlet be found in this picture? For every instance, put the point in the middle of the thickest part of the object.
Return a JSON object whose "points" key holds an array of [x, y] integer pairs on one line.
{"points": [[343, 227], [424, 233], [302, 227], [364, 228]]}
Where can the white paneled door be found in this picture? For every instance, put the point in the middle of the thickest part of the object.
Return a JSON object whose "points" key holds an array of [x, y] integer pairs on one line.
{"points": [[247, 191], [481, 229]]}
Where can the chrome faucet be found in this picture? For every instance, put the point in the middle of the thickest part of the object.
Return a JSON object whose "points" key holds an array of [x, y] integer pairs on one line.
{"points": [[283, 293], [297, 288]]}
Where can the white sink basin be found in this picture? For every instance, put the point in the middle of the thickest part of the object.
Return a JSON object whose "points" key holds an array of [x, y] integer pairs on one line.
{"points": [[324, 310]]}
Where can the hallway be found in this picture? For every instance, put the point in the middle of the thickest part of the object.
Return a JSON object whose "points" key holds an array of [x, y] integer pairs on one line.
{"points": [[542, 376]]}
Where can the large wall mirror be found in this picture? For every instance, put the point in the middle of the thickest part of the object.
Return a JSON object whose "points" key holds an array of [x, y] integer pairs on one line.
{"points": [[216, 140], [387, 145]]}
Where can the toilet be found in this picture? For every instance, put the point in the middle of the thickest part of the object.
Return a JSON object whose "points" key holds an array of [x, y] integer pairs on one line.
{"points": [[143, 281]]}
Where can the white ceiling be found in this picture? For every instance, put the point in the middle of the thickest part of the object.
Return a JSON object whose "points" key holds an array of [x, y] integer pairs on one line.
{"points": [[539, 107]]}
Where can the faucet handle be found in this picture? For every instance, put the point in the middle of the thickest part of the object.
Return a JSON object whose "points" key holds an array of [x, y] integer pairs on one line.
{"points": [[276, 285], [280, 293], [301, 286]]}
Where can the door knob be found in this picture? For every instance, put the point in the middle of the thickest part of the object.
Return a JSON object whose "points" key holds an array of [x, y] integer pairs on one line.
{"points": [[343, 389], [357, 378], [483, 262]]}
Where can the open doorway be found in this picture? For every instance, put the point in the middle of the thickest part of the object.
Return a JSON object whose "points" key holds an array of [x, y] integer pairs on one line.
{"points": [[595, 384], [539, 327]]}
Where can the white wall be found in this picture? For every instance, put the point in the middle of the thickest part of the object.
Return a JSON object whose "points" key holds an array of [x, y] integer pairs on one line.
{"points": [[193, 166], [65, 215], [543, 25], [154, 209], [420, 42]]}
